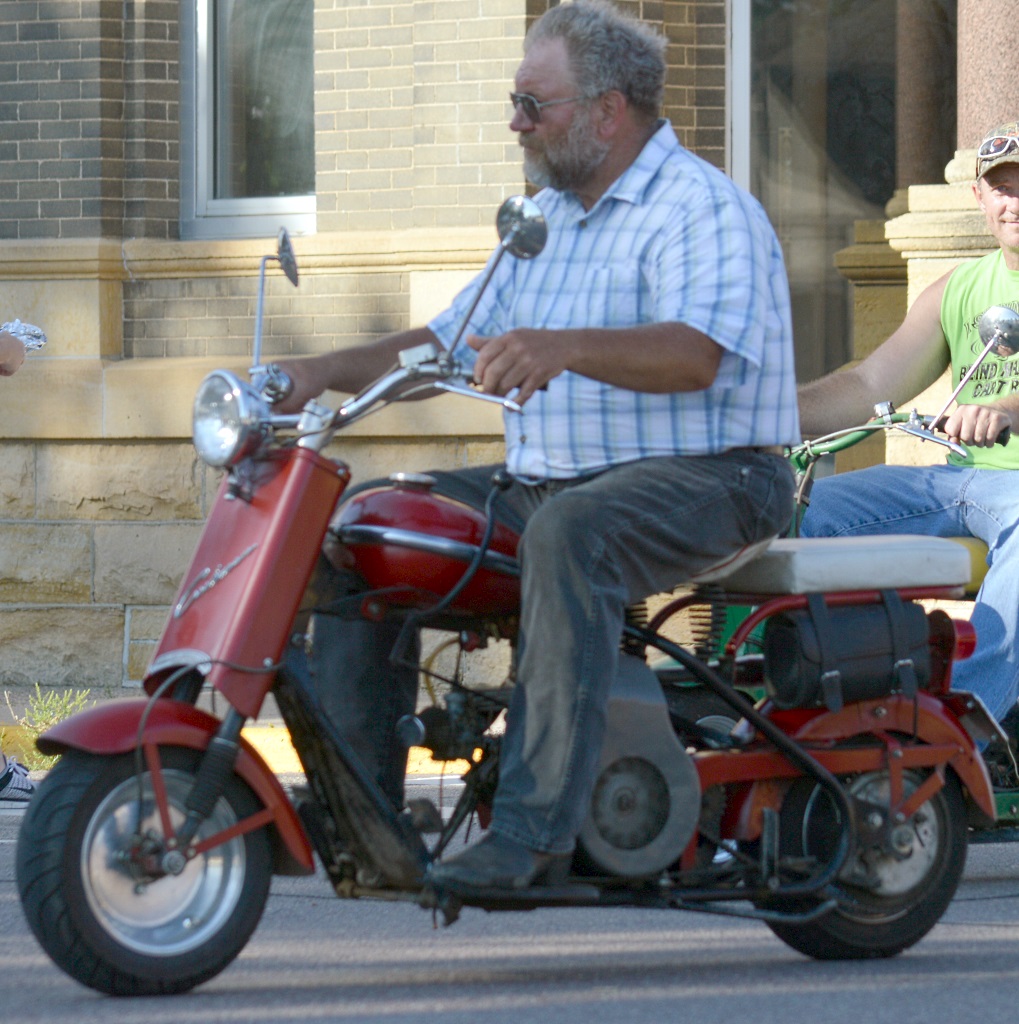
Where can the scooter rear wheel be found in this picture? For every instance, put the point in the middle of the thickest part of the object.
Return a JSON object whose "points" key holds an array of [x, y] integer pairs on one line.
{"points": [[107, 915], [889, 900]]}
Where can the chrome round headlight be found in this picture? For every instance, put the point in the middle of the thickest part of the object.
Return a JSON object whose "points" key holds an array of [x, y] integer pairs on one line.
{"points": [[230, 420]]}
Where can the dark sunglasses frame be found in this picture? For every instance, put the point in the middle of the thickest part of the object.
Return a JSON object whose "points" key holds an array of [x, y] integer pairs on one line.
{"points": [[532, 107]]}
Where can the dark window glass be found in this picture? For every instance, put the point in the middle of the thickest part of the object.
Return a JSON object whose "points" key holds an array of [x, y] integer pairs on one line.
{"points": [[826, 82], [264, 139]]}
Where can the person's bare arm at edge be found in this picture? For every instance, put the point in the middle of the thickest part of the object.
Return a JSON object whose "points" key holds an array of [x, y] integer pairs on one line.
{"points": [[349, 369], [909, 361], [899, 369], [12, 354], [655, 358]]}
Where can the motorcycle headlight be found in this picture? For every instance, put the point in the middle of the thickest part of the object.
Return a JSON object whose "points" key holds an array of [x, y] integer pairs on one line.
{"points": [[230, 419]]}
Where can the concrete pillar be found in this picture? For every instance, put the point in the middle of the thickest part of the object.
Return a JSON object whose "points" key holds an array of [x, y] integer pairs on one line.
{"points": [[988, 76], [924, 90]]}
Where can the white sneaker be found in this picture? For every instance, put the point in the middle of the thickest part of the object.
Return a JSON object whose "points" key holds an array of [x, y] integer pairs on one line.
{"points": [[16, 788]]}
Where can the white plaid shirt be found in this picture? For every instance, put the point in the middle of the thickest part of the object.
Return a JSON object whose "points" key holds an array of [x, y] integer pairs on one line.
{"points": [[672, 240]]}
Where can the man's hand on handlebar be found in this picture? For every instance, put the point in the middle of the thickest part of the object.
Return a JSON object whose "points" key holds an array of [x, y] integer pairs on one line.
{"points": [[307, 384], [524, 359], [978, 426]]}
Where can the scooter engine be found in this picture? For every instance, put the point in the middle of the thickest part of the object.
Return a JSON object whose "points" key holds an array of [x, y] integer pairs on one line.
{"points": [[646, 800]]}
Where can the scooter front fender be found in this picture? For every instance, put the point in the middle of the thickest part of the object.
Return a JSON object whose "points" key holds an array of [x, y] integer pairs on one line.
{"points": [[120, 726]]}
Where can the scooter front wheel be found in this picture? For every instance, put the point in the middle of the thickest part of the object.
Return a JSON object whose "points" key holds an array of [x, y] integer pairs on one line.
{"points": [[95, 890], [892, 894]]}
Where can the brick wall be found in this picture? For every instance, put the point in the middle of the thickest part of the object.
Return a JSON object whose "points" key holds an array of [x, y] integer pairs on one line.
{"points": [[411, 133], [695, 90], [215, 315], [62, 148], [151, 118], [411, 112], [88, 118]]}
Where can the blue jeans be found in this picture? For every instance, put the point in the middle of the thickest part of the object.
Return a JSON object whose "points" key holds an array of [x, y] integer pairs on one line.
{"points": [[589, 547], [943, 501]]}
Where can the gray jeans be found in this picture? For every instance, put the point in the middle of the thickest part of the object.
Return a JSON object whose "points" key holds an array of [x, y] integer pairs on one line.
{"points": [[589, 547]]}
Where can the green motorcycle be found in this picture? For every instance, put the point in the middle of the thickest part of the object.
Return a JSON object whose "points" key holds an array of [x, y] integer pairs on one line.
{"points": [[723, 631]]}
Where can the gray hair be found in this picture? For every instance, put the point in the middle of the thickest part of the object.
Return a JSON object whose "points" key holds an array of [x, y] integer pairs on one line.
{"points": [[608, 51]]}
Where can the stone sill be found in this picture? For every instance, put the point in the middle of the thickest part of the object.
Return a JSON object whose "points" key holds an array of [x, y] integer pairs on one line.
{"points": [[93, 399], [110, 259]]}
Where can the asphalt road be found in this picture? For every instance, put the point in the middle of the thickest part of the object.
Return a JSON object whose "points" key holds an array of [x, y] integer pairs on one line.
{"points": [[317, 959]]}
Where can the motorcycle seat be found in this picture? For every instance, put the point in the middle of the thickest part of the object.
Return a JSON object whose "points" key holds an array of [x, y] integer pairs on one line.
{"points": [[723, 569], [831, 564], [977, 550]]}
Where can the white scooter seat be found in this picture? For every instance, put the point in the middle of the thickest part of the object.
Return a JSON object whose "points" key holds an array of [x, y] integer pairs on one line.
{"points": [[827, 564]]}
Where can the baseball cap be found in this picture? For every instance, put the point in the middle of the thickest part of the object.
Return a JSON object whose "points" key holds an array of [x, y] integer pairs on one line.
{"points": [[1000, 146]]}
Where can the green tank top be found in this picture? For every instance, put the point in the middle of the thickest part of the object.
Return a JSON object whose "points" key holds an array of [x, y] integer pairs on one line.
{"points": [[972, 288]]}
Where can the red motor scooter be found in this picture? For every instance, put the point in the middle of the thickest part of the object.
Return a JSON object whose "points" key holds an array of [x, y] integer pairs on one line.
{"points": [[835, 812]]}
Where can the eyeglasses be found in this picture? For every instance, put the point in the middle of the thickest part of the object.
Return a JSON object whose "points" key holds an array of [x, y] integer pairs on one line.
{"points": [[532, 108], [995, 147]]}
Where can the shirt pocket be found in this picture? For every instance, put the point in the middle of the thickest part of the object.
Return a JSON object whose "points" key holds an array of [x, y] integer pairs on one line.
{"points": [[602, 296], [615, 294]]}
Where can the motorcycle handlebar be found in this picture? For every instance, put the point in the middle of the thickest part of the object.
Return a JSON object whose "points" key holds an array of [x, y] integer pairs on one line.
{"points": [[436, 372], [423, 369], [923, 427]]}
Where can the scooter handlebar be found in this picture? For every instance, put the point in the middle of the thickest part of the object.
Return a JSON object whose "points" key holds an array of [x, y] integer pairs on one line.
{"points": [[421, 370], [924, 427]]}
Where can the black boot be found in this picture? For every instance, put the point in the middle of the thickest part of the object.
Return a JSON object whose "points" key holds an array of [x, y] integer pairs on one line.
{"points": [[496, 862]]}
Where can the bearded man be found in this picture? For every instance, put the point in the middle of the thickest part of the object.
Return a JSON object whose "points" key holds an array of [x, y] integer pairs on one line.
{"points": [[651, 349]]}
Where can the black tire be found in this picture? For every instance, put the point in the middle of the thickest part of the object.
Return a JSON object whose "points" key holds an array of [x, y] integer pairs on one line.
{"points": [[100, 922], [918, 888]]}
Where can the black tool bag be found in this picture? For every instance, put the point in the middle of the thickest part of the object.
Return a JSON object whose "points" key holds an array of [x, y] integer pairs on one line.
{"points": [[831, 656]]}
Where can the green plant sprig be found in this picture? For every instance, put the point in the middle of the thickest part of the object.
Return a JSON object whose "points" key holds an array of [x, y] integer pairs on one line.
{"points": [[45, 709]]}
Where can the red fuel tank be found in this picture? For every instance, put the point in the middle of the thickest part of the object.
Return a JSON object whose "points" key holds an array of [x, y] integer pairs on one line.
{"points": [[404, 535]]}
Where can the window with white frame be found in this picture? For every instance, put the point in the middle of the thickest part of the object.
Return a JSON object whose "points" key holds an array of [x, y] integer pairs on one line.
{"points": [[247, 118]]}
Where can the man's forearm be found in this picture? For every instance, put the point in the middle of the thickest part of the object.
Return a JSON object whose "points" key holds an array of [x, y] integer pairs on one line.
{"points": [[351, 369], [900, 368], [347, 370], [654, 358], [836, 401]]}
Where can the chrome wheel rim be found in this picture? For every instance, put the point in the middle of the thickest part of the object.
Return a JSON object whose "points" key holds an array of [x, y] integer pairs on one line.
{"points": [[168, 915], [883, 884]]}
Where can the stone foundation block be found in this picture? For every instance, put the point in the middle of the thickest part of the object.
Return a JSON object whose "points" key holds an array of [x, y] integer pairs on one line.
{"points": [[17, 481], [144, 628], [45, 563], [144, 481], [74, 647], [142, 564]]}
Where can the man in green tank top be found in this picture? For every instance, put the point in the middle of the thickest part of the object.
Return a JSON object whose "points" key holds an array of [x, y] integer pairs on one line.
{"points": [[977, 496]]}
